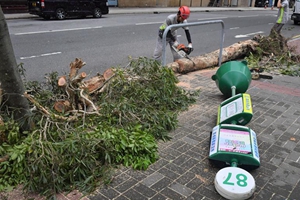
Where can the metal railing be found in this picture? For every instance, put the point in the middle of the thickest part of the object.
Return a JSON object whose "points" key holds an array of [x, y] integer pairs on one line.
{"points": [[191, 24]]}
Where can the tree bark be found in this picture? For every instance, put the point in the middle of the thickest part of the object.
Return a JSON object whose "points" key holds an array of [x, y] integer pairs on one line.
{"points": [[10, 79], [233, 52]]}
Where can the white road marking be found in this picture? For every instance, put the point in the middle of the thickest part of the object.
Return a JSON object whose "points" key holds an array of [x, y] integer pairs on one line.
{"points": [[213, 18], [146, 23], [234, 28], [249, 34], [41, 55], [59, 30], [248, 16]]}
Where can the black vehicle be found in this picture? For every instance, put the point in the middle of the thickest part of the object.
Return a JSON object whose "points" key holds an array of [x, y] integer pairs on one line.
{"points": [[60, 9], [260, 3]]}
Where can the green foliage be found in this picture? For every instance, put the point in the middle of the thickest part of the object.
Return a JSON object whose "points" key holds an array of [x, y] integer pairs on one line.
{"points": [[253, 60], [132, 147], [146, 93], [139, 106], [13, 148], [279, 64], [274, 55], [65, 161]]}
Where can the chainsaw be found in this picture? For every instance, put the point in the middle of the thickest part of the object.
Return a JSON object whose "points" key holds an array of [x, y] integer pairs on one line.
{"points": [[256, 74], [183, 51]]}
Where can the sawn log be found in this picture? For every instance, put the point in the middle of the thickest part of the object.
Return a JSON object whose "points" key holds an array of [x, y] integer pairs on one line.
{"points": [[233, 52]]}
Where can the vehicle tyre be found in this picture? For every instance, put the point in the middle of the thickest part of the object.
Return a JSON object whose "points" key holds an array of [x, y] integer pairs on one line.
{"points": [[60, 14], [97, 13], [295, 22]]}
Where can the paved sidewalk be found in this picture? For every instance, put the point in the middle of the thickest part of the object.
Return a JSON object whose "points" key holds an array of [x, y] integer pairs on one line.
{"points": [[184, 171], [295, 43]]}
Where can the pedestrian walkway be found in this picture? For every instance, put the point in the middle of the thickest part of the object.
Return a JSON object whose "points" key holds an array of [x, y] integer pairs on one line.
{"points": [[295, 43], [183, 170]]}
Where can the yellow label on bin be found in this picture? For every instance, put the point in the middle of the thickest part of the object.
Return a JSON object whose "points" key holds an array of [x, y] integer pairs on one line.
{"points": [[247, 103], [219, 115]]}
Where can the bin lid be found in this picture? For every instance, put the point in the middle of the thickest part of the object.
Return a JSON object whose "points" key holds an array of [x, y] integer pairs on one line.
{"points": [[234, 183]]}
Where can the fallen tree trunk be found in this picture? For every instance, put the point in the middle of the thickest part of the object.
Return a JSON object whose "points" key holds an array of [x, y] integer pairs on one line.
{"points": [[233, 52]]}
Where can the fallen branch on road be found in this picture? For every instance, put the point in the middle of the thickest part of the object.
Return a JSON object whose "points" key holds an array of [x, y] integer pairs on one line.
{"points": [[233, 52]]}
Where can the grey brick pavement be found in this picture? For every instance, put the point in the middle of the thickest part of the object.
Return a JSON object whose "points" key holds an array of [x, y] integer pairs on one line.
{"points": [[184, 171]]}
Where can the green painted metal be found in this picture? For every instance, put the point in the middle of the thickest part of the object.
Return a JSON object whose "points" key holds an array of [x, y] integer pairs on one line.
{"points": [[235, 145], [233, 77], [235, 110]]}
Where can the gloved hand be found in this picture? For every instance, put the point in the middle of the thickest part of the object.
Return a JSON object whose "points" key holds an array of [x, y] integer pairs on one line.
{"points": [[175, 44], [190, 48]]}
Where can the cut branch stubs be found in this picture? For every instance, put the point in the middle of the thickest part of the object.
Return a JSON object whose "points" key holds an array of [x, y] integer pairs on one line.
{"points": [[79, 91]]}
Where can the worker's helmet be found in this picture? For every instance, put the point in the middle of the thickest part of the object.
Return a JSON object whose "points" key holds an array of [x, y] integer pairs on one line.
{"points": [[184, 12]]}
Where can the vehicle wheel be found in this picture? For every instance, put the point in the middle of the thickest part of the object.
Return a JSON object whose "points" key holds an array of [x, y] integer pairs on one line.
{"points": [[97, 13], [295, 22], [60, 14]]}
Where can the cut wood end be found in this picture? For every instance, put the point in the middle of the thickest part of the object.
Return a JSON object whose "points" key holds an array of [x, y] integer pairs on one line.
{"points": [[174, 66], [83, 75], [62, 81]]}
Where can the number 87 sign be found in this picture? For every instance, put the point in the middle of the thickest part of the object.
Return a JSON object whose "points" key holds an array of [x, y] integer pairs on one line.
{"points": [[234, 183]]}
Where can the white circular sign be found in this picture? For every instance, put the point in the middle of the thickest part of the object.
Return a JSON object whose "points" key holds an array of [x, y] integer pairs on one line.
{"points": [[234, 183]]}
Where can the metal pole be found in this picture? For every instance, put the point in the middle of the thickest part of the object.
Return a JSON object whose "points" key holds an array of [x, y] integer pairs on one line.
{"points": [[233, 90], [192, 24]]}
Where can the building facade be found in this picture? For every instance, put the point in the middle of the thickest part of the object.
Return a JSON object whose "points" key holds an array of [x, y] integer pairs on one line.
{"points": [[191, 3]]}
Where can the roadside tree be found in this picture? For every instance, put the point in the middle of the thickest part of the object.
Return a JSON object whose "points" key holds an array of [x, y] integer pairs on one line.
{"points": [[12, 87]]}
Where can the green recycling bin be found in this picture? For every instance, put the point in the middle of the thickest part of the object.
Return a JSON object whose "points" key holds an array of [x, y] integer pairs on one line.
{"points": [[233, 77], [235, 110]]}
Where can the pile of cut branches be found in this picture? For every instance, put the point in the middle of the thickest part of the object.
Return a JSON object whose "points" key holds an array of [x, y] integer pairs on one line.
{"points": [[270, 53], [84, 127], [274, 55]]}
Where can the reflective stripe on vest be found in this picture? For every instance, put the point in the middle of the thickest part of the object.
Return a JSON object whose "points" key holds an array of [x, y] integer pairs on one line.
{"points": [[279, 21]]}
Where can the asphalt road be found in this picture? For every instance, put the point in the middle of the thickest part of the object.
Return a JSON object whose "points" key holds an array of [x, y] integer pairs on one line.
{"points": [[46, 46]]}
